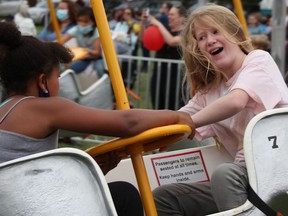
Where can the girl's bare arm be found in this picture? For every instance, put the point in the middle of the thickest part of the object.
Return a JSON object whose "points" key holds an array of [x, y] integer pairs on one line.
{"points": [[119, 123], [222, 108]]}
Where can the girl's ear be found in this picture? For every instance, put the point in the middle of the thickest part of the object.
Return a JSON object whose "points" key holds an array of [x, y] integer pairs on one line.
{"points": [[42, 86], [41, 82]]}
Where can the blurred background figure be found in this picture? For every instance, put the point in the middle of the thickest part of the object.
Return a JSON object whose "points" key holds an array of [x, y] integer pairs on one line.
{"points": [[170, 50], [261, 42], [115, 18], [87, 37], [164, 11], [66, 15], [253, 24], [125, 33], [24, 22], [125, 37]]}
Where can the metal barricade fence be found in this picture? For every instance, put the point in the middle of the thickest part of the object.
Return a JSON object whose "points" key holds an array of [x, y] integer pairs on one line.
{"points": [[137, 72]]}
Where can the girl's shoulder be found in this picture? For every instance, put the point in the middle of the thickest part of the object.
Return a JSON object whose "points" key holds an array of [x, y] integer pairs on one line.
{"points": [[257, 53], [258, 57]]}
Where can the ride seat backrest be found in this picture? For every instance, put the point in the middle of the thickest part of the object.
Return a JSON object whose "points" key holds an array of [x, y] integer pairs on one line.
{"points": [[87, 77], [58, 182], [97, 95], [69, 85], [266, 150]]}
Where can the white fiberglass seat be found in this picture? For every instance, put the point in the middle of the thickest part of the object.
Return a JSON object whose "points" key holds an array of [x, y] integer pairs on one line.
{"points": [[65, 181], [266, 150], [98, 94]]}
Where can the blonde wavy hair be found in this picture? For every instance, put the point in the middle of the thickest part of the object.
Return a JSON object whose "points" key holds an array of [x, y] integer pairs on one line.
{"points": [[201, 74]]}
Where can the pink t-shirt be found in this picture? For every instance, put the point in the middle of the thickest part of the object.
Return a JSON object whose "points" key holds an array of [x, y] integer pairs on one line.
{"points": [[260, 77]]}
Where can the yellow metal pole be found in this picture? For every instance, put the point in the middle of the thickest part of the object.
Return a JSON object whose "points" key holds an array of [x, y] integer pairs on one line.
{"points": [[123, 103], [110, 54], [142, 179], [54, 21], [239, 12]]}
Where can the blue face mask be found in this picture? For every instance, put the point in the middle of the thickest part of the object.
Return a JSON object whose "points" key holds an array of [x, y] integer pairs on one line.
{"points": [[85, 29], [62, 14]]}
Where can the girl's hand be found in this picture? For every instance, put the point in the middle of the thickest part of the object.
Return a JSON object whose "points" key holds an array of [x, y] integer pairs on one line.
{"points": [[108, 161], [185, 118]]}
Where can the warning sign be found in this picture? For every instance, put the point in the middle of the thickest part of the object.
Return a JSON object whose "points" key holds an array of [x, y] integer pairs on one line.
{"points": [[186, 167]]}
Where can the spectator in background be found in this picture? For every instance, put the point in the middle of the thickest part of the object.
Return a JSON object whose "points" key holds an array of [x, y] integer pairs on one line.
{"points": [[139, 45], [164, 11], [24, 22], [263, 23], [116, 17], [253, 25], [268, 26], [260, 42], [125, 33], [66, 14], [125, 37], [163, 18], [87, 36], [170, 50]]}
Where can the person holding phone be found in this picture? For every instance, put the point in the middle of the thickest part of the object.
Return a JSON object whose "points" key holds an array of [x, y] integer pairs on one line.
{"points": [[66, 16]]}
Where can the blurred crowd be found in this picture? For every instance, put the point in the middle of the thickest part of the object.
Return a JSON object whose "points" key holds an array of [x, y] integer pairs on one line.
{"points": [[77, 24], [260, 29]]}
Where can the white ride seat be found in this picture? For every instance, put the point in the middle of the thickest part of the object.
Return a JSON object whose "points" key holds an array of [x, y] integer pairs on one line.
{"points": [[98, 94], [65, 181], [266, 150]]}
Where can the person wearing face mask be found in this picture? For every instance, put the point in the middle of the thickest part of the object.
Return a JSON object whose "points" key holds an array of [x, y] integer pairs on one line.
{"points": [[66, 16], [87, 36]]}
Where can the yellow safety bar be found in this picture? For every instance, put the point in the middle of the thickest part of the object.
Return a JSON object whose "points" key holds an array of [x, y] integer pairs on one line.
{"points": [[134, 146]]}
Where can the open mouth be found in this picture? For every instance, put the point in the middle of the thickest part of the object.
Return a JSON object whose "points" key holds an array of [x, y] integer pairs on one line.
{"points": [[216, 51]]}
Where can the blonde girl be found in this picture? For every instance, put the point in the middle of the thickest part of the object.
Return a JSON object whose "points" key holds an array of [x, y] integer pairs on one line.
{"points": [[230, 83]]}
